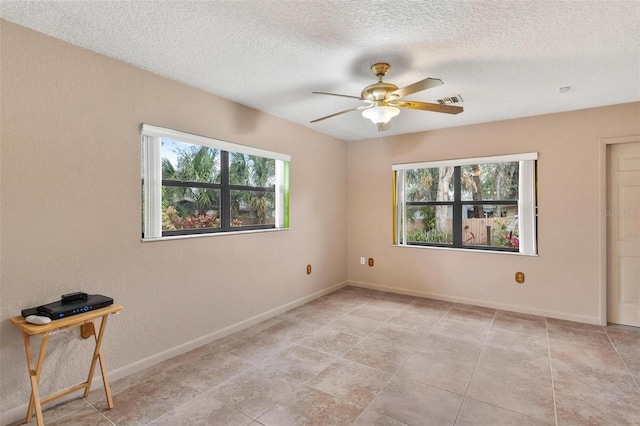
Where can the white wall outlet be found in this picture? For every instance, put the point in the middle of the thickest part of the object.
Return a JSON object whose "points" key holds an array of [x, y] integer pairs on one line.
{"points": [[362, 260]]}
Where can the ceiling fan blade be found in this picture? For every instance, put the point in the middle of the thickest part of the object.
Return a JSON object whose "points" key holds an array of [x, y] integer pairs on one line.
{"points": [[341, 112], [337, 94], [424, 106], [418, 86]]}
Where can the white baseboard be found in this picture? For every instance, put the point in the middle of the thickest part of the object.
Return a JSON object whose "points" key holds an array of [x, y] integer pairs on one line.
{"points": [[479, 302], [19, 413]]}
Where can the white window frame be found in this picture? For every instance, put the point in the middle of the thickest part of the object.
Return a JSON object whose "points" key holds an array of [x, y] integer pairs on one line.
{"points": [[152, 177], [527, 207]]}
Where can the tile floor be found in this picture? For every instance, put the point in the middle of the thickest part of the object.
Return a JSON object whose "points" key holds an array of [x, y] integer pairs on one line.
{"points": [[362, 357]]}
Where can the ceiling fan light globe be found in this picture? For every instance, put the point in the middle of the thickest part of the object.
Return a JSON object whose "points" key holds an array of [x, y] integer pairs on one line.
{"points": [[380, 114]]}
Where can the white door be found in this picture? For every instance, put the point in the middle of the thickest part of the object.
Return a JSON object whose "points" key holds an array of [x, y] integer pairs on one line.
{"points": [[623, 233]]}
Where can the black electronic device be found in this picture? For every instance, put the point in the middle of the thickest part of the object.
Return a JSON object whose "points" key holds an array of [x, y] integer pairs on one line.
{"points": [[30, 311], [73, 297], [57, 310]]}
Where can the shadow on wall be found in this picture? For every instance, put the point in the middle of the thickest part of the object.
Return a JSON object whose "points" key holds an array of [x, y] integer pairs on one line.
{"points": [[245, 118]]}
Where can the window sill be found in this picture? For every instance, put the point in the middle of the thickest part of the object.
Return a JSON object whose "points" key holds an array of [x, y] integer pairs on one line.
{"points": [[510, 253], [212, 234]]}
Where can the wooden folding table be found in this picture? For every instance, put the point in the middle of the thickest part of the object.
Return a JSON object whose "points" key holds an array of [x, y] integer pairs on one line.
{"points": [[87, 329]]}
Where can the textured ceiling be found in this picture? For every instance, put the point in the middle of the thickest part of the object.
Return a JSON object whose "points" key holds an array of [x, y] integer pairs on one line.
{"points": [[506, 59]]}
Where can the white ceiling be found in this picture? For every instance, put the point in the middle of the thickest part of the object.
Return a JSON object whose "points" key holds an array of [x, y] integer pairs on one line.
{"points": [[506, 59]]}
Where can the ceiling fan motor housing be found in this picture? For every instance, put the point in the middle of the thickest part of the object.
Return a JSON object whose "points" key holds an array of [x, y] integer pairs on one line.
{"points": [[378, 91]]}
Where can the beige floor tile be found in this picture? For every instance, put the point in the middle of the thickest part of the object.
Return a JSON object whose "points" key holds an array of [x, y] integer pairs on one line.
{"points": [[335, 304], [518, 363], [227, 342], [255, 390], [460, 329], [627, 343], [444, 373], [330, 341], [375, 313], [631, 359], [378, 355], [311, 407], [531, 397], [299, 362], [432, 304], [148, 400], [290, 330], [594, 410], [203, 410], [414, 320], [259, 347], [553, 323], [463, 313], [372, 418], [624, 338], [474, 308], [579, 334], [517, 315], [190, 356], [584, 382], [83, 417], [518, 341], [457, 350], [389, 334], [415, 403], [356, 292], [351, 381], [74, 409], [391, 302], [589, 396], [355, 325], [533, 326], [479, 413], [599, 357], [428, 307], [318, 316], [97, 395], [210, 370]]}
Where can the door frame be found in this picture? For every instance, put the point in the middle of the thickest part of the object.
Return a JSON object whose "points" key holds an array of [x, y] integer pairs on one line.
{"points": [[603, 218]]}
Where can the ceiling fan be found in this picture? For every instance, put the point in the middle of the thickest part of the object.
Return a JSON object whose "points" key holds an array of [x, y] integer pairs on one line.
{"points": [[384, 100]]}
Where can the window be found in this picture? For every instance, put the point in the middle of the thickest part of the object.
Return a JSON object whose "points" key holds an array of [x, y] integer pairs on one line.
{"points": [[484, 203], [197, 185]]}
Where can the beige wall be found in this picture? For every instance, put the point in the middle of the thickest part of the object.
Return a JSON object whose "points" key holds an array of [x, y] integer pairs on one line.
{"points": [[563, 281], [71, 208]]}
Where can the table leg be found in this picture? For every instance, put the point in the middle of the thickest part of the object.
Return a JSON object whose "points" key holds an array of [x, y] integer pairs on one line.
{"points": [[34, 376], [97, 356]]}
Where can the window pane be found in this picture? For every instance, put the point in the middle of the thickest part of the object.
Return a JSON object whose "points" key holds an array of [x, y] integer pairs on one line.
{"points": [[190, 208], [190, 163], [433, 184], [250, 170], [490, 182], [429, 224], [252, 208], [497, 227]]}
